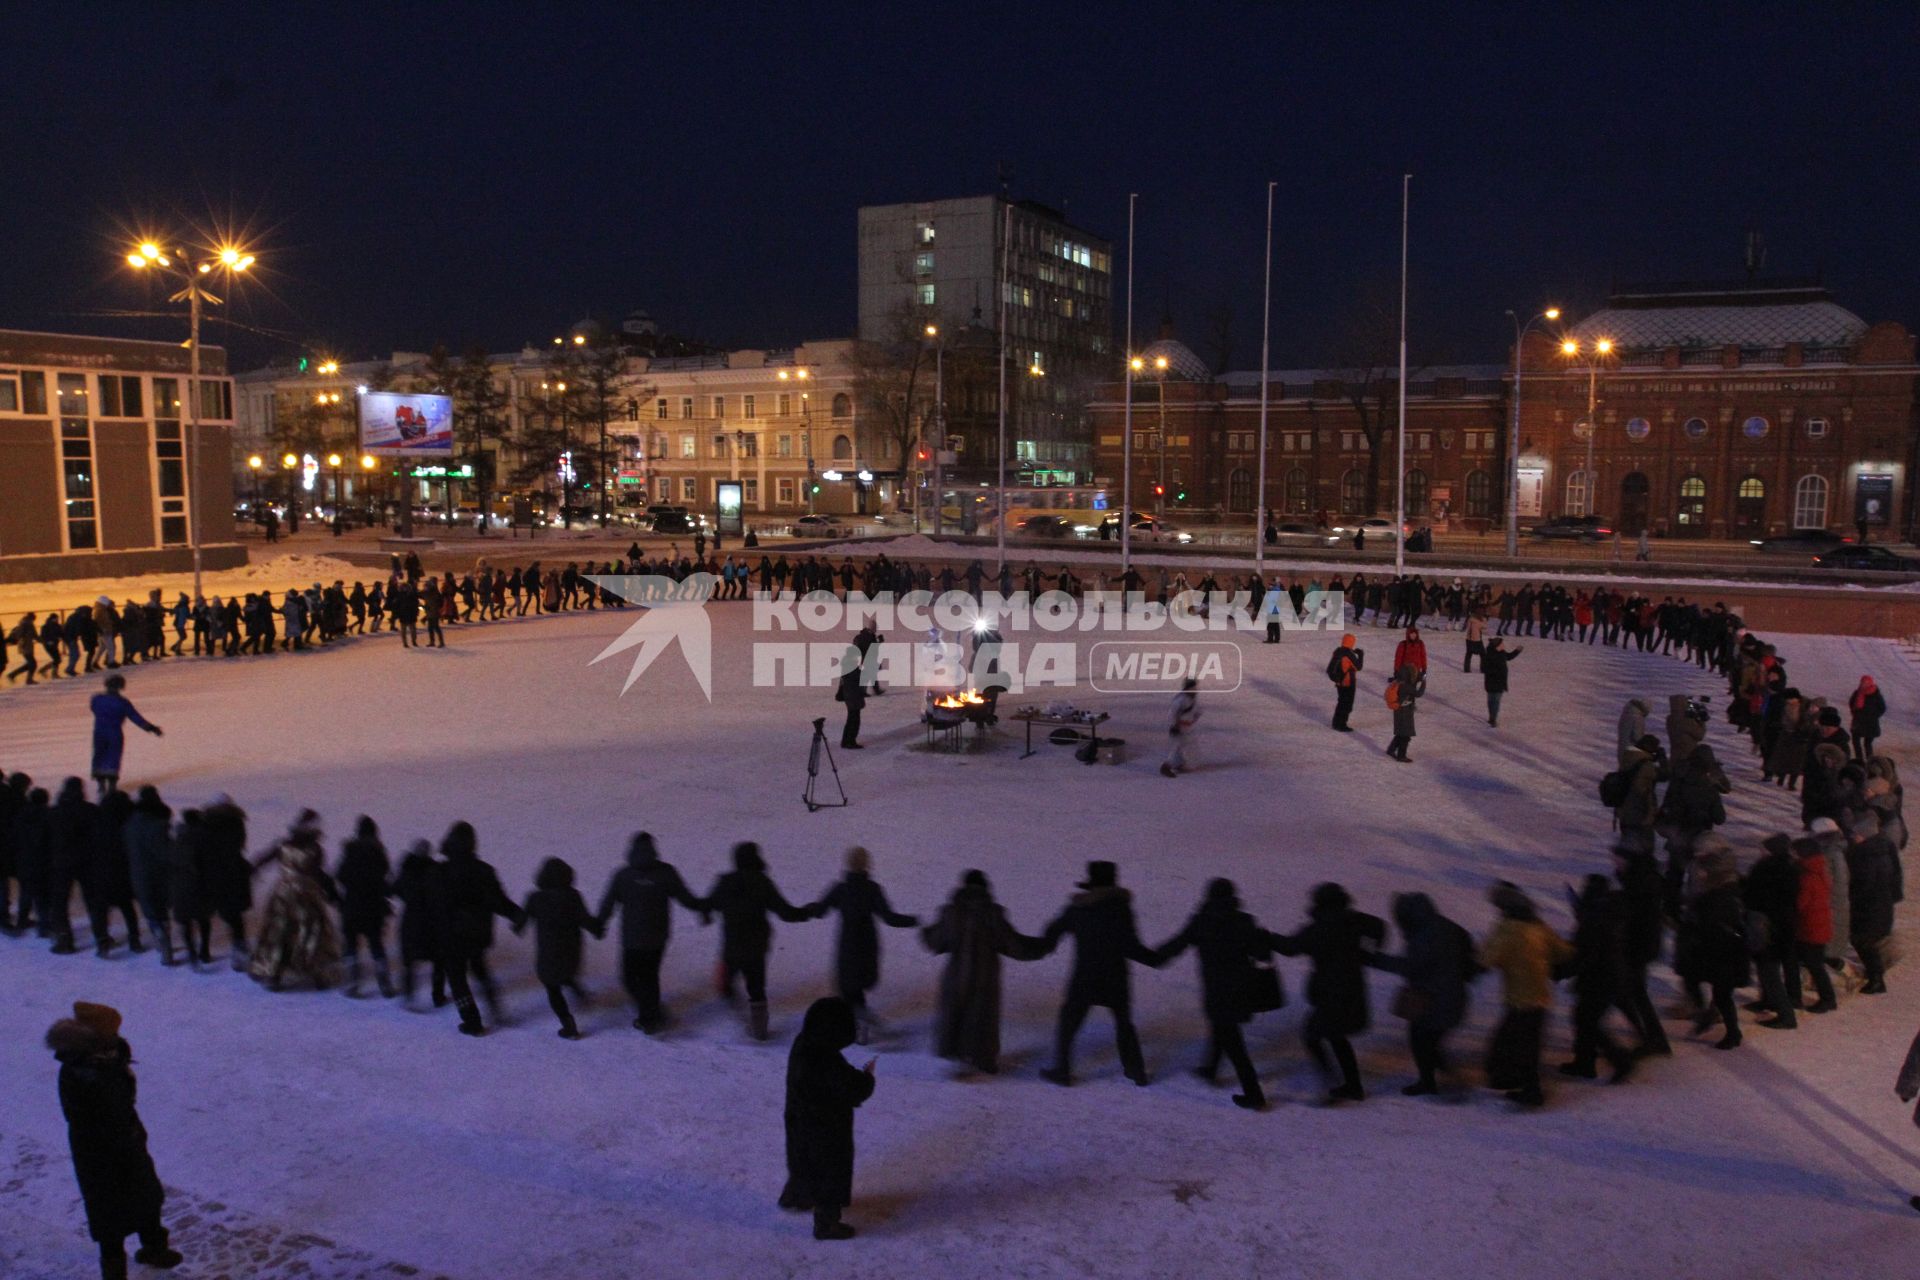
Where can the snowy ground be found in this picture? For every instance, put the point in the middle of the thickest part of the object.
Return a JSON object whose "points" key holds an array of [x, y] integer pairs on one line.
{"points": [[306, 1134]]}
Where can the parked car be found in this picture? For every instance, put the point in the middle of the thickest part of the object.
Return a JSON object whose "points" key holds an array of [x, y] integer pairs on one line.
{"points": [[816, 523], [1574, 528], [1871, 556], [1145, 527], [1300, 534], [1807, 541], [1379, 528], [672, 520]]}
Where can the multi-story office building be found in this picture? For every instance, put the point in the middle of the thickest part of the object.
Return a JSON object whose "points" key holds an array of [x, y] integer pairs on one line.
{"points": [[101, 461], [942, 262]]}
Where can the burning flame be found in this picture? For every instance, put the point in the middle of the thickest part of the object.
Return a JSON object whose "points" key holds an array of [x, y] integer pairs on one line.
{"points": [[964, 698]]}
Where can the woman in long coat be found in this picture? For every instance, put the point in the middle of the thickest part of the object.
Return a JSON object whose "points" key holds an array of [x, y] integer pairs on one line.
{"points": [[186, 854], [823, 1088], [862, 907], [559, 915], [973, 933], [118, 1185], [1229, 941], [1408, 684], [1437, 962], [297, 932], [1714, 928]]}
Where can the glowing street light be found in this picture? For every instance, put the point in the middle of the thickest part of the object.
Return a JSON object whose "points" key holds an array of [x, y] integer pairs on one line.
{"points": [[149, 255], [1602, 348]]}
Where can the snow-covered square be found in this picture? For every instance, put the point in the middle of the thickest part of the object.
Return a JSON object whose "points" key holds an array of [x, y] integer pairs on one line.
{"points": [[304, 1133]]}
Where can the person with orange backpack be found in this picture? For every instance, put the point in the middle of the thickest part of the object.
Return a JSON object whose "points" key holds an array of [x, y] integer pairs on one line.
{"points": [[1403, 693], [1344, 670]]}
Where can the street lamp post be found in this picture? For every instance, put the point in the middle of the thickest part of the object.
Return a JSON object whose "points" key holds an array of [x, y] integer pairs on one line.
{"points": [[1160, 489], [1602, 348], [1266, 316], [939, 426], [1126, 433], [231, 261], [1520, 332]]}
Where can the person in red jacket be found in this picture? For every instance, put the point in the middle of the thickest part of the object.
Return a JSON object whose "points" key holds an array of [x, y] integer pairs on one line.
{"points": [[1411, 652], [1815, 925]]}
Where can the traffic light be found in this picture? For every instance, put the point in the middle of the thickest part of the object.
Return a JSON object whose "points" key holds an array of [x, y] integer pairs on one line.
{"points": [[816, 490], [925, 455], [1180, 495], [1159, 491]]}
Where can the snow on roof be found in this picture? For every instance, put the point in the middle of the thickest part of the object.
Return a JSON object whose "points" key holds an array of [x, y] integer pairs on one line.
{"points": [[1416, 374], [1182, 363], [1814, 323]]}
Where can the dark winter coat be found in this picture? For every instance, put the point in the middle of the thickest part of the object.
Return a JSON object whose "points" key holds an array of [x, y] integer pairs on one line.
{"points": [[70, 827], [644, 891], [1101, 923], [1643, 772], [1643, 893], [148, 845], [1337, 940], [1866, 710], [364, 886], [973, 933], [1437, 962], [471, 893], [862, 906], [559, 916], [1493, 668], [1717, 939], [185, 856], [823, 1088], [744, 899], [1599, 945], [226, 879], [1684, 733], [1772, 892], [422, 903], [1872, 877], [106, 876], [118, 1185], [1229, 941]]}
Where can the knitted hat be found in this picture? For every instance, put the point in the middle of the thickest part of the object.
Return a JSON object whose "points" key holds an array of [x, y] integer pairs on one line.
{"points": [[97, 1017]]}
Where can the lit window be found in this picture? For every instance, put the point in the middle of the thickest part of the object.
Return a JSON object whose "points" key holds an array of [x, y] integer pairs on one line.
{"points": [[687, 448], [923, 263], [926, 295], [923, 233]]}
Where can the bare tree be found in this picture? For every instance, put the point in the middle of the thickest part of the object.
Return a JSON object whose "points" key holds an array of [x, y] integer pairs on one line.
{"points": [[893, 379], [1369, 366]]}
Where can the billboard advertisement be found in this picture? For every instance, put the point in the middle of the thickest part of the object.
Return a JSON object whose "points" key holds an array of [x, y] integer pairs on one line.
{"points": [[395, 423], [728, 500]]}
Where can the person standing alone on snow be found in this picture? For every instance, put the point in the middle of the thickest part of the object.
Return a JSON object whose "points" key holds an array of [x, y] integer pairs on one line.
{"points": [[1180, 722], [823, 1088], [1403, 695], [118, 1185], [111, 711], [1493, 673]]}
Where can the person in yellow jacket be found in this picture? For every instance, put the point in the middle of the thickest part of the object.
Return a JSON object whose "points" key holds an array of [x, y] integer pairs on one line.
{"points": [[1525, 952]]}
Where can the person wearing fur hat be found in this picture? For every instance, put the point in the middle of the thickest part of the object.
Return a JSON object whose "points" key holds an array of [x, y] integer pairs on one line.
{"points": [[862, 906], [1337, 939], [1525, 953], [973, 933], [743, 898], [1229, 942], [1865, 706], [297, 933], [1100, 919], [823, 1089], [1711, 946], [559, 915], [118, 1185]]}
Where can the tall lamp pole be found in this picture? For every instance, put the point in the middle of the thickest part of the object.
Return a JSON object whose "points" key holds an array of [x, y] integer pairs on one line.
{"points": [[1602, 348], [1000, 482], [1520, 332], [1126, 434], [1400, 476], [1260, 484], [190, 272]]}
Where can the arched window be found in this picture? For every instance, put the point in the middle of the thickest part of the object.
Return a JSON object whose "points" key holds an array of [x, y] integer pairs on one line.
{"points": [[1353, 493], [1480, 494], [1416, 492], [1577, 494], [843, 405], [1690, 516], [842, 449], [1810, 503], [1296, 492], [1240, 490], [1750, 507]]}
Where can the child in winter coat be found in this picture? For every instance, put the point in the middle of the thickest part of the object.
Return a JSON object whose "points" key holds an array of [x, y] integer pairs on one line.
{"points": [[559, 915]]}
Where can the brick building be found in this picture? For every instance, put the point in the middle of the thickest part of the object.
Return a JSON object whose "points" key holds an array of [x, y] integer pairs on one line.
{"points": [[1726, 411], [96, 460], [1723, 411], [1318, 453]]}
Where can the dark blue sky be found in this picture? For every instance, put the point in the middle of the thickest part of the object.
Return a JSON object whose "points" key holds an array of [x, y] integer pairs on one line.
{"points": [[489, 173]]}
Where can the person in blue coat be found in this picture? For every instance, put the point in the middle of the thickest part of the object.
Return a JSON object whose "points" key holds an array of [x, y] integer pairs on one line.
{"points": [[111, 711]]}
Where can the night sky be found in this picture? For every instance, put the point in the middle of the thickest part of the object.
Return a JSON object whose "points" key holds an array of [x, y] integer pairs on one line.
{"points": [[490, 173]]}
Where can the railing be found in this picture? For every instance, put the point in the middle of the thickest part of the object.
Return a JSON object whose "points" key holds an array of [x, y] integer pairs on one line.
{"points": [[1709, 356], [1825, 355], [1763, 355]]}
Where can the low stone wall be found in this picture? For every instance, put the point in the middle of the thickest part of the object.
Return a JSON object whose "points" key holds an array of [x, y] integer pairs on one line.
{"points": [[118, 564]]}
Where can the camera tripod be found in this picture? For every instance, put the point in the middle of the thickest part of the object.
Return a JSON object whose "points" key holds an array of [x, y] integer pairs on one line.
{"points": [[819, 747]]}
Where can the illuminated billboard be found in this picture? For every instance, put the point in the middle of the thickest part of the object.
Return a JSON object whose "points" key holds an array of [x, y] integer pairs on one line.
{"points": [[394, 423]]}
